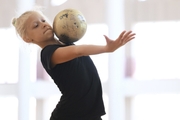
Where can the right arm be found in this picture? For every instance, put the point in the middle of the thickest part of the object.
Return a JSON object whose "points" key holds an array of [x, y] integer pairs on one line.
{"points": [[64, 54]]}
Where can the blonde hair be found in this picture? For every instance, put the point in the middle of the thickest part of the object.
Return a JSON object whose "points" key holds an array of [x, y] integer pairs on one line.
{"points": [[19, 23]]}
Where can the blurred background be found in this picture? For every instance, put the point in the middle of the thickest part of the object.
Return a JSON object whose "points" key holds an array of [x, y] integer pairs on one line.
{"points": [[141, 80]]}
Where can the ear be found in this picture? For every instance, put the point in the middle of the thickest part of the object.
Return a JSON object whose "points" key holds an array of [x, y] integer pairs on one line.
{"points": [[27, 39]]}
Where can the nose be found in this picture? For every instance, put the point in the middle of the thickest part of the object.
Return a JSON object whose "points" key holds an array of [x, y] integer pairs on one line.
{"points": [[44, 24]]}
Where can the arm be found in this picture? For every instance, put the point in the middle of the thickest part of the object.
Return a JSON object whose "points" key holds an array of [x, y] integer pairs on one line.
{"points": [[64, 54]]}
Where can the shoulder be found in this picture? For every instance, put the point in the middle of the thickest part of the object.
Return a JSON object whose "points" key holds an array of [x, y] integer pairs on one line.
{"points": [[49, 48], [52, 55], [52, 48], [46, 54]]}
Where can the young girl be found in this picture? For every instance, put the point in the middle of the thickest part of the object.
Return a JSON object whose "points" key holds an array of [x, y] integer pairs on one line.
{"points": [[69, 66]]}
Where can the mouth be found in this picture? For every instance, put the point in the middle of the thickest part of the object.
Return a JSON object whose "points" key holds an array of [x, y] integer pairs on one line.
{"points": [[46, 30]]}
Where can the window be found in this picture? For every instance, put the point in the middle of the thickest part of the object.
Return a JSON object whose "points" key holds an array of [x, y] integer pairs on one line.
{"points": [[9, 108], [156, 50], [156, 107], [155, 53], [9, 51]]}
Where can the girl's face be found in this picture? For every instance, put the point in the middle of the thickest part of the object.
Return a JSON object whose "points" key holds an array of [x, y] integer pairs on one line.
{"points": [[38, 30]]}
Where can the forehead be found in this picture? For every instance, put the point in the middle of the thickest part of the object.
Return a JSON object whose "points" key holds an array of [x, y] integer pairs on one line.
{"points": [[33, 17]]}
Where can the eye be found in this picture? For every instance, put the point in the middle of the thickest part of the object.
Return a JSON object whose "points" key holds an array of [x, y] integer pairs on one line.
{"points": [[35, 25], [43, 20]]}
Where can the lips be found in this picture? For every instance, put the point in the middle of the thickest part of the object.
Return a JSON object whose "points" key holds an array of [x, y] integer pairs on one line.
{"points": [[46, 30]]}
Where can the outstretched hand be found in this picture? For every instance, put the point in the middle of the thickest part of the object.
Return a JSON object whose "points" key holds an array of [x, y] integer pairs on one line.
{"points": [[123, 38]]}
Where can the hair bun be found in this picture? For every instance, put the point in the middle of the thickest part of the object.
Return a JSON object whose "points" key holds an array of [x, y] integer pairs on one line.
{"points": [[14, 21]]}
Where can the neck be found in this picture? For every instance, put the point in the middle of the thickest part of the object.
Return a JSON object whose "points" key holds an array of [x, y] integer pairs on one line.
{"points": [[50, 42]]}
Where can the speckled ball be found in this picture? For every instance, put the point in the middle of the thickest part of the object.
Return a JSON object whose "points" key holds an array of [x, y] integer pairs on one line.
{"points": [[69, 25]]}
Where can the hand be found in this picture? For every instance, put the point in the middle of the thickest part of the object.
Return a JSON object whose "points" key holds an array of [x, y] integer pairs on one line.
{"points": [[123, 38]]}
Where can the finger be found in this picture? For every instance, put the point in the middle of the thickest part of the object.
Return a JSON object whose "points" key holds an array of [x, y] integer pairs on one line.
{"points": [[121, 35], [127, 35], [106, 37], [130, 37]]}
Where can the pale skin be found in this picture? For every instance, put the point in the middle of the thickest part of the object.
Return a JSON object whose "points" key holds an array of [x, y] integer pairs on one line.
{"points": [[39, 32]]}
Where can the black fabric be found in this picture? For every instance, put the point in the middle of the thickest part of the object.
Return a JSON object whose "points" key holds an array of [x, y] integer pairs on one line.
{"points": [[80, 85]]}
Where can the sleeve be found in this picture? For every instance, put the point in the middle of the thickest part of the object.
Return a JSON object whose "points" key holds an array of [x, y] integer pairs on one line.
{"points": [[46, 55]]}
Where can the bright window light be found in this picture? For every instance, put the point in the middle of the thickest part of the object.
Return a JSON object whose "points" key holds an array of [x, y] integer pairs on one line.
{"points": [[156, 50], [156, 107], [9, 108], [57, 2], [9, 50]]}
